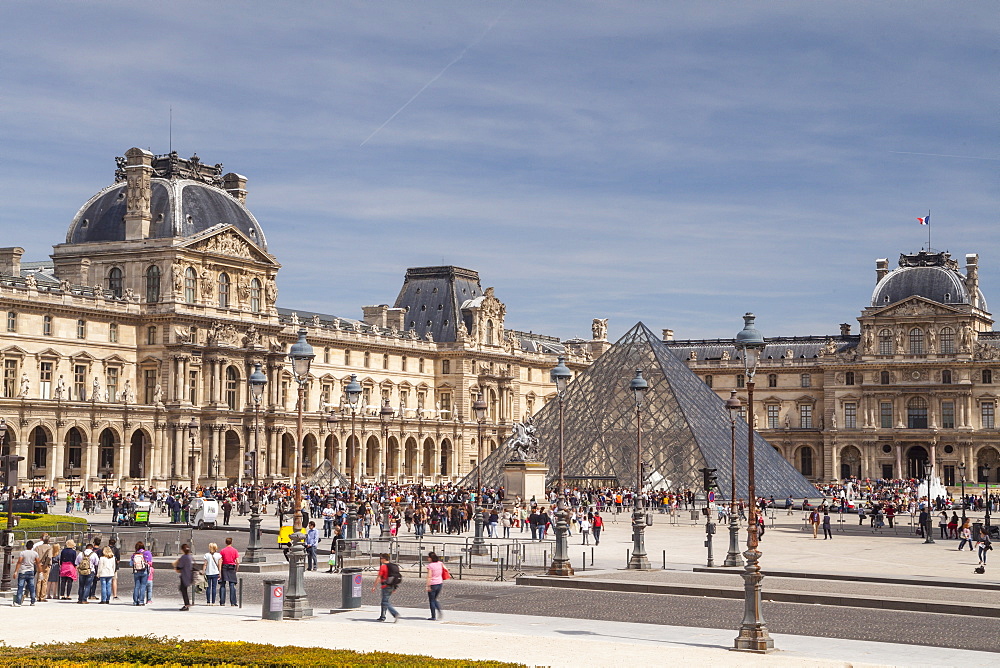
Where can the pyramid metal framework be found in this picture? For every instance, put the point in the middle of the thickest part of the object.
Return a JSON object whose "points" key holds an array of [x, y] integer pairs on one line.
{"points": [[685, 426]]}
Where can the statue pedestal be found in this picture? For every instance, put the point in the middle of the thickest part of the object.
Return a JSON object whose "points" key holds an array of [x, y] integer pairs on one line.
{"points": [[526, 480]]}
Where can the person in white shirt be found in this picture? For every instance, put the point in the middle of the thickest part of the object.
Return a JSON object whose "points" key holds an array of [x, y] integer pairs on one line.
{"points": [[212, 569], [107, 566]]}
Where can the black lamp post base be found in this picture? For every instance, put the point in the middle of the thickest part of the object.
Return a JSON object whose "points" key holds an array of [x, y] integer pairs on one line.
{"points": [[639, 562], [754, 639], [296, 601], [733, 558], [561, 568]]}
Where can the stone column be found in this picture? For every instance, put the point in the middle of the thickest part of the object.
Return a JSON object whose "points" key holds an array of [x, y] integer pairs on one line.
{"points": [[931, 449], [213, 449], [899, 460], [176, 468], [56, 465]]}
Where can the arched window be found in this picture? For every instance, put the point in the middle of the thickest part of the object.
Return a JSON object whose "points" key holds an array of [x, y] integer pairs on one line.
{"points": [[806, 461], [223, 290], [152, 284], [947, 341], [190, 285], [232, 385], [885, 342], [255, 296], [115, 282], [883, 377], [916, 341], [916, 413], [489, 332]]}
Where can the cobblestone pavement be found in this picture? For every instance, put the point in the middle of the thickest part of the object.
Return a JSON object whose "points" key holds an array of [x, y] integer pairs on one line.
{"points": [[912, 628]]}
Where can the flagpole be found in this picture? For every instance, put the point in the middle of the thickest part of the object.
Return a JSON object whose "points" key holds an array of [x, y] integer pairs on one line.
{"points": [[929, 249]]}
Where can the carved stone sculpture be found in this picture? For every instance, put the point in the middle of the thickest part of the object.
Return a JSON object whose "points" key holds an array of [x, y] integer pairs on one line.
{"points": [[599, 329], [523, 442]]}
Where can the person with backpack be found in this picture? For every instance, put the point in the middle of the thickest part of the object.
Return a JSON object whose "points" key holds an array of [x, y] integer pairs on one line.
{"points": [[140, 573], [389, 577], [86, 567]]}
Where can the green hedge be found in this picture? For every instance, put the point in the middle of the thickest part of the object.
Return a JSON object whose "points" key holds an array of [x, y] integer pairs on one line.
{"points": [[39, 521], [139, 651]]}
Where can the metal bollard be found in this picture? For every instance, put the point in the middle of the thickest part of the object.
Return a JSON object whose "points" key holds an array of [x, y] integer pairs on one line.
{"points": [[584, 561], [241, 592], [664, 560], [591, 556], [628, 557]]}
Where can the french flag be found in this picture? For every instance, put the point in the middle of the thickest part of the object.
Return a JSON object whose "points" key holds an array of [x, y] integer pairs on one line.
{"points": [[926, 220]]}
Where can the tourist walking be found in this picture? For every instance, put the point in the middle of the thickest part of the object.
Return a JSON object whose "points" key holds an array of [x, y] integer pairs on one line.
{"points": [[44, 550], [67, 569], [388, 579], [312, 542], [27, 561], [230, 564], [140, 573], [584, 523], [965, 535], [436, 575], [212, 569], [984, 546], [598, 526], [106, 567], [827, 532], [184, 565]]}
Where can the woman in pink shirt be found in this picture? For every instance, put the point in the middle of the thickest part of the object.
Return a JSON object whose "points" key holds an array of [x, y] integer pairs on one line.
{"points": [[435, 577]]}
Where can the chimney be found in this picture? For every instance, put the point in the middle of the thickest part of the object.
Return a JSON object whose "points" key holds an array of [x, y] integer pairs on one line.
{"points": [[376, 315], [138, 173], [972, 278], [236, 185], [668, 335], [10, 261], [881, 268], [845, 329]]}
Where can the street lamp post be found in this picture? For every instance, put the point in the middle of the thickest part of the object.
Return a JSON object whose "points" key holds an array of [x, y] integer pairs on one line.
{"points": [[929, 524], [733, 557], [385, 414], [638, 561], [193, 458], [257, 382], [961, 469], [986, 474], [8, 461], [561, 565], [296, 603], [353, 391], [753, 635], [478, 547]]}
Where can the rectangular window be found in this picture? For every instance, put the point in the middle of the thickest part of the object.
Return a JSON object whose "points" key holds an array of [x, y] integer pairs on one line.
{"points": [[421, 401], [807, 380], [385, 361], [988, 412], [529, 374], [80, 382], [743, 412], [402, 363], [11, 321], [193, 387], [885, 414], [947, 414], [850, 416], [284, 394], [47, 325], [112, 384], [849, 378], [148, 385], [773, 414], [708, 381], [366, 396], [772, 380], [949, 475], [403, 398], [45, 380], [445, 366], [151, 335], [81, 329], [445, 406], [806, 416], [10, 378], [740, 380], [946, 377], [113, 332], [324, 395], [420, 365]]}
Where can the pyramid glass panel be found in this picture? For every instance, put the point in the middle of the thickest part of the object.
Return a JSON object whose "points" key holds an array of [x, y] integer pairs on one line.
{"points": [[685, 427]]}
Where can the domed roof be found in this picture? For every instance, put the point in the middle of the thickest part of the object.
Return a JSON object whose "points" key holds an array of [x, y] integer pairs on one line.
{"points": [[179, 207], [934, 276]]}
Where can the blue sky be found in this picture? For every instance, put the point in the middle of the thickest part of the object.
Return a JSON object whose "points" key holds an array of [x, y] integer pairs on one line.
{"points": [[672, 162]]}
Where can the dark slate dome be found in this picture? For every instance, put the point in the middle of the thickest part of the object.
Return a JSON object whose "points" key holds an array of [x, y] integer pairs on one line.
{"points": [[934, 276], [179, 207]]}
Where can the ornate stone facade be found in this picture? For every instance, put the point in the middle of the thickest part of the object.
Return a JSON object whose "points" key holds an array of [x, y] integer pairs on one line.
{"points": [[111, 351], [920, 382]]}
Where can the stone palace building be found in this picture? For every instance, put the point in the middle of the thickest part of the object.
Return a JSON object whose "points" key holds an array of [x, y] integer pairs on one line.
{"points": [[919, 383], [125, 357]]}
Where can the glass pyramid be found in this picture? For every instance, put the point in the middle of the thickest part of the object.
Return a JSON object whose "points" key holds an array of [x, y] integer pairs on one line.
{"points": [[685, 426]]}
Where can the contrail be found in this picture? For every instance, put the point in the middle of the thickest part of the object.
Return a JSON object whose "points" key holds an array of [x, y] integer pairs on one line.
{"points": [[943, 155], [437, 76]]}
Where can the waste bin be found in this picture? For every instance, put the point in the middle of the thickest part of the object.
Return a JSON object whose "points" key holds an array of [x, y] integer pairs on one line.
{"points": [[350, 588], [274, 599], [694, 514]]}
